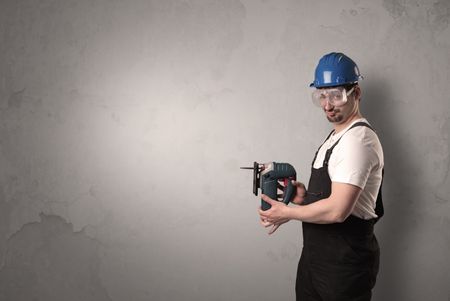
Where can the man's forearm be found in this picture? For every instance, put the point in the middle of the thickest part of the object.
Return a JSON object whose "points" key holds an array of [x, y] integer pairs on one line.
{"points": [[320, 212]]}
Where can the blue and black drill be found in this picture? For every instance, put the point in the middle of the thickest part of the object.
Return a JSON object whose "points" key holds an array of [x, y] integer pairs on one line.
{"points": [[269, 176]]}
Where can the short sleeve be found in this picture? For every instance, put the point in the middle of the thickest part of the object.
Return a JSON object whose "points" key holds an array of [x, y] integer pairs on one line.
{"points": [[353, 159]]}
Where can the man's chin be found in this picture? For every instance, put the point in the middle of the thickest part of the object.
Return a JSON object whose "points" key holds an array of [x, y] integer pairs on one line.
{"points": [[335, 119]]}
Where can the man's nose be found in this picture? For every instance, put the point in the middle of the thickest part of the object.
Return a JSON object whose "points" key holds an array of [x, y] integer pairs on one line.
{"points": [[327, 105]]}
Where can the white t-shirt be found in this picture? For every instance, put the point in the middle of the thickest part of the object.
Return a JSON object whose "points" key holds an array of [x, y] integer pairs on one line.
{"points": [[358, 160]]}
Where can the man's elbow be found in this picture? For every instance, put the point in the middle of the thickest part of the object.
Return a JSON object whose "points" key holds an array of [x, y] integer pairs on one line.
{"points": [[339, 217]]}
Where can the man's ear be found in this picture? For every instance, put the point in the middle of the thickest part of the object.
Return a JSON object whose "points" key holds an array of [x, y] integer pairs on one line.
{"points": [[357, 92]]}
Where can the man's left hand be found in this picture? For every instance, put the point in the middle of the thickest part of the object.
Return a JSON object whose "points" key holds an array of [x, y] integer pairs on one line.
{"points": [[275, 216]]}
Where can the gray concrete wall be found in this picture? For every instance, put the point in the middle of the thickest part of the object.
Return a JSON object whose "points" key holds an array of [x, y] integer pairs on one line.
{"points": [[123, 125]]}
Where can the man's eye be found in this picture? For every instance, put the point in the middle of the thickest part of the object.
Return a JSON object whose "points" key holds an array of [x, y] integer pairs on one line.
{"points": [[336, 96]]}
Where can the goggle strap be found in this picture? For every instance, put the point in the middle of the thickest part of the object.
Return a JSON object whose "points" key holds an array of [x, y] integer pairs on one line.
{"points": [[351, 91]]}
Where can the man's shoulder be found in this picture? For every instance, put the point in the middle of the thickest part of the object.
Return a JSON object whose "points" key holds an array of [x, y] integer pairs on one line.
{"points": [[360, 142], [361, 131]]}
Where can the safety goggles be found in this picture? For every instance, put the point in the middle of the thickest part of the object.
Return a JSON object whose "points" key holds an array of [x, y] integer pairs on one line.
{"points": [[335, 96]]}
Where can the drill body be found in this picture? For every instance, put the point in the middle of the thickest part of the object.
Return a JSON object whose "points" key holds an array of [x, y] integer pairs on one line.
{"points": [[269, 176]]}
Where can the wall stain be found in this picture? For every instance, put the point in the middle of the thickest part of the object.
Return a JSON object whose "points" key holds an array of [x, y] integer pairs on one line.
{"points": [[442, 190], [16, 99], [439, 15], [396, 8], [46, 260]]}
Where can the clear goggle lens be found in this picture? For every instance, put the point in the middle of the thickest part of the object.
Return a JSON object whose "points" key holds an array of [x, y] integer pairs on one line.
{"points": [[335, 96]]}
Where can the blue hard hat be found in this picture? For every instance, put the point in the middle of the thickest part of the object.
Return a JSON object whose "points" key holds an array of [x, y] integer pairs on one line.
{"points": [[335, 69]]}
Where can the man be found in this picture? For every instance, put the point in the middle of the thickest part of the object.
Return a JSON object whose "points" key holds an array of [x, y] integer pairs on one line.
{"points": [[340, 255]]}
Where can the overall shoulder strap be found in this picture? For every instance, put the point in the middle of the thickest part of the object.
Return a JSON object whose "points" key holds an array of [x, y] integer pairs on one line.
{"points": [[361, 123], [315, 156]]}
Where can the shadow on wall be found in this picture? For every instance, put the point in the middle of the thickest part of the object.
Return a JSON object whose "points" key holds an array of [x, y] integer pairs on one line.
{"points": [[394, 230], [48, 261]]}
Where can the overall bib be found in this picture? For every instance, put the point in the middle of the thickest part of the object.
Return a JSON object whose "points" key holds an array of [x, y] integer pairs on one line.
{"points": [[339, 261]]}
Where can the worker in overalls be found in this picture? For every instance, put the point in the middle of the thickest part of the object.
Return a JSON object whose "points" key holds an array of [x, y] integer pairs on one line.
{"points": [[338, 210]]}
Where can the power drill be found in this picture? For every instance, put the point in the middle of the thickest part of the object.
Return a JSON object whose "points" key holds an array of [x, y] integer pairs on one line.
{"points": [[268, 176]]}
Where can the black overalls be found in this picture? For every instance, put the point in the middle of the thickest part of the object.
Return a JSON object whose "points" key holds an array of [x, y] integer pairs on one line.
{"points": [[339, 261]]}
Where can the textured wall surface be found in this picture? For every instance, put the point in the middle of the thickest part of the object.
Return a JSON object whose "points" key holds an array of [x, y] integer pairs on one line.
{"points": [[123, 125]]}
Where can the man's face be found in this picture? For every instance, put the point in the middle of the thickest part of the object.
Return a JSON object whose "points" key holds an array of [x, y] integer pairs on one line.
{"points": [[340, 114]]}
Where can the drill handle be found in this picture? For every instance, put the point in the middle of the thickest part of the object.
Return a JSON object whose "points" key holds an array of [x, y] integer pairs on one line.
{"points": [[289, 193]]}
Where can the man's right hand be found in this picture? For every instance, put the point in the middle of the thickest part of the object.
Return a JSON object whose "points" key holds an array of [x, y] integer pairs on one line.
{"points": [[300, 193]]}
